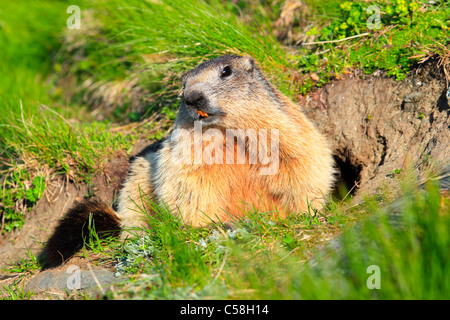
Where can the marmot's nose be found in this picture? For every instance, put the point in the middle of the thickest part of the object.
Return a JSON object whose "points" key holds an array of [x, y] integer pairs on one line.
{"points": [[195, 99]]}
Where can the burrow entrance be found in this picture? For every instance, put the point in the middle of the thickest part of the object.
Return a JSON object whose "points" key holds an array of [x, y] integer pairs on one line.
{"points": [[379, 127]]}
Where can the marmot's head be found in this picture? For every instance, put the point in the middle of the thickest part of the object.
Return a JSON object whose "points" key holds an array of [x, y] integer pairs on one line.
{"points": [[228, 92]]}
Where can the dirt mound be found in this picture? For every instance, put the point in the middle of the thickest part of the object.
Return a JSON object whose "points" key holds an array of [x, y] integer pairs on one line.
{"points": [[378, 126]]}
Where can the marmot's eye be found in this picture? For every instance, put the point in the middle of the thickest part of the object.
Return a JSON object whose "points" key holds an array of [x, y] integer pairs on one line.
{"points": [[226, 72]]}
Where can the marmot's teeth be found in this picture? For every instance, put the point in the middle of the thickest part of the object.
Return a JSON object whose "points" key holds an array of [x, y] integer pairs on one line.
{"points": [[203, 114]]}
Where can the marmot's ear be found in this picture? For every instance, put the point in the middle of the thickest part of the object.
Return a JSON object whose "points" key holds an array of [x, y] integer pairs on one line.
{"points": [[249, 64], [184, 77]]}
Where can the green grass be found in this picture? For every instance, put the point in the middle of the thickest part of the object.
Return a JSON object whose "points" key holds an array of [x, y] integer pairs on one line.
{"points": [[410, 31], [29, 36], [32, 122], [40, 147], [69, 149], [262, 258], [174, 261], [412, 258], [18, 198], [159, 41], [36, 140]]}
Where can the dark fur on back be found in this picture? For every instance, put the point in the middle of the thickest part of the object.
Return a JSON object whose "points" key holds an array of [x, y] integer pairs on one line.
{"points": [[73, 229], [154, 147]]}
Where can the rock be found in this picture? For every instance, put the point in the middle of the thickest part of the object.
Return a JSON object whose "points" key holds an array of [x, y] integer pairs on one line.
{"points": [[72, 278], [414, 97]]}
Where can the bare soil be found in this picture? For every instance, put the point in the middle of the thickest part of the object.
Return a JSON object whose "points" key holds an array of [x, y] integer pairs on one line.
{"points": [[379, 127], [58, 197]]}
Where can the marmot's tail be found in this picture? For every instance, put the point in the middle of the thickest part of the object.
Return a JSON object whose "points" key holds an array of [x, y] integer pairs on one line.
{"points": [[75, 227]]}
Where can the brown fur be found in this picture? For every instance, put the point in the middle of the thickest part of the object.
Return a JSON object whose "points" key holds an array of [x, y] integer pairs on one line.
{"points": [[248, 101], [204, 192]]}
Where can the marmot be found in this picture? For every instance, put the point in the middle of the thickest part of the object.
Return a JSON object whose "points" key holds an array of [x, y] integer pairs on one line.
{"points": [[238, 144]]}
